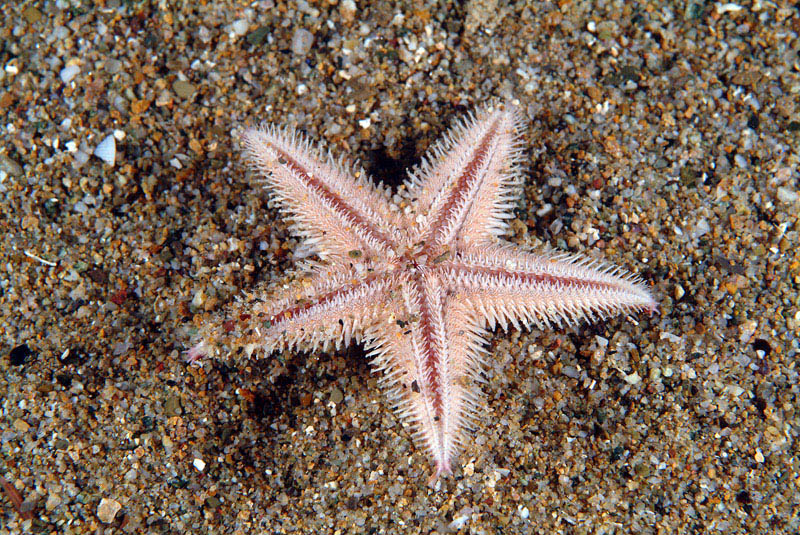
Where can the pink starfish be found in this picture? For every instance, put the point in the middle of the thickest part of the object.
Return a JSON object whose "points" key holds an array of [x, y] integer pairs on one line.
{"points": [[418, 276]]}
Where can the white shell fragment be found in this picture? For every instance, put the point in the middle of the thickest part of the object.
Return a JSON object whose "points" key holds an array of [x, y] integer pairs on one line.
{"points": [[107, 150]]}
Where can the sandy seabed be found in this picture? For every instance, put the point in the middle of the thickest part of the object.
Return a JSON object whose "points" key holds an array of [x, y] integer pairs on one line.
{"points": [[663, 137]]}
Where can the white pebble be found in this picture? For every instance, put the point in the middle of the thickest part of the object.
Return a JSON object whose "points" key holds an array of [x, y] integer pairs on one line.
{"points": [[80, 158], [735, 390], [461, 519], [60, 33], [347, 9], [302, 41], [107, 510], [240, 27], [701, 228], [107, 150], [675, 339], [199, 464], [69, 72], [53, 501], [633, 378], [787, 195], [727, 8]]}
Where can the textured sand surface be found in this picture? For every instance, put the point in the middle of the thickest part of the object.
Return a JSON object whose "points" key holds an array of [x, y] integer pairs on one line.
{"points": [[663, 137]]}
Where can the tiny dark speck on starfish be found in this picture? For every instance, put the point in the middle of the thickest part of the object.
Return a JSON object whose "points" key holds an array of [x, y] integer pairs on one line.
{"points": [[419, 276]]}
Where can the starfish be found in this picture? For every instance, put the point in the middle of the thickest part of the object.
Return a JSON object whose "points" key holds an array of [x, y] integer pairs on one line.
{"points": [[418, 276]]}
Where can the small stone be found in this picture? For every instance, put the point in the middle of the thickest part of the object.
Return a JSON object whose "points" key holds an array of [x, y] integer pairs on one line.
{"points": [[113, 66], [172, 407], [679, 292], [347, 10], [240, 27], [60, 33], [53, 501], [21, 425], [80, 158], [727, 7], [747, 329], [336, 395], [633, 378], [736, 390], [32, 15], [183, 89], [11, 167], [6, 100], [258, 36], [630, 72], [199, 464], [759, 457], [140, 106], [693, 10], [107, 510], [302, 41], [469, 469], [701, 228], [655, 375], [164, 98], [750, 77], [787, 195], [107, 150], [68, 73], [204, 34]]}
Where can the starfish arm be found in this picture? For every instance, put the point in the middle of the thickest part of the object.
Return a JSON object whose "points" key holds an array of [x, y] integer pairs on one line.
{"points": [[504, 284], [465, 190], [430, 358], [324, 309], [336, 208]]}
